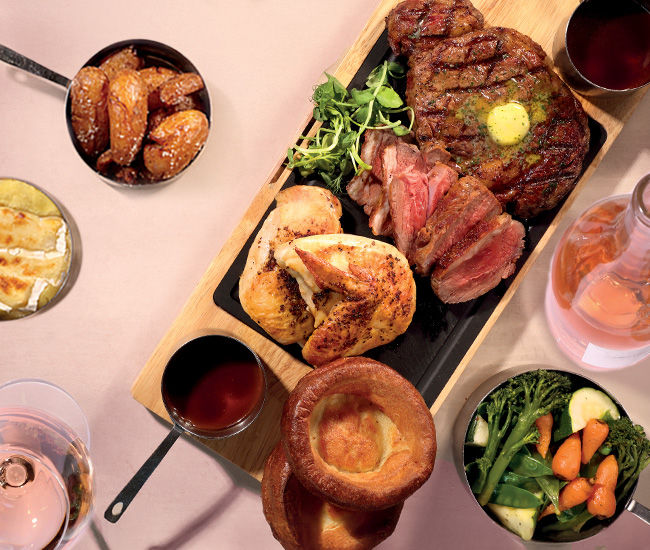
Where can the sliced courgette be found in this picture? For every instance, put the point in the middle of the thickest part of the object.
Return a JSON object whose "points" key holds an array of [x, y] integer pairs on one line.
{"points": [[478, 432], [588, 403], [585, 404], [521, 521]]}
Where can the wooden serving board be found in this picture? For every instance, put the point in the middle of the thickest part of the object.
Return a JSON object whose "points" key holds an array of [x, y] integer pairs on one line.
{"points": [[537, 18]]}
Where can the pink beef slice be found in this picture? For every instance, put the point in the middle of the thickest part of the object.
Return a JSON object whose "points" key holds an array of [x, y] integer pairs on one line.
{"points": [[477, 264], [405, 177], [367, 189], [467, 202], [439, 180]]}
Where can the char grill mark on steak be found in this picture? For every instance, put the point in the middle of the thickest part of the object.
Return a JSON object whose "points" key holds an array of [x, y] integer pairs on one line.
{"points": [[453, 85], [477, 263], [467, 202], [422, 23]]}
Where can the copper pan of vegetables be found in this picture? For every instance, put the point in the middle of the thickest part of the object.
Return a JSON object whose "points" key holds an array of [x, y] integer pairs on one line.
{"points": [[549, 455], [138, 111]]}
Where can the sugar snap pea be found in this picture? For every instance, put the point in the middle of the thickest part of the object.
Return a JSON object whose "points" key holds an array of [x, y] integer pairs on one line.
{"points": [[515, 497], [529, 465], [528, 483]]}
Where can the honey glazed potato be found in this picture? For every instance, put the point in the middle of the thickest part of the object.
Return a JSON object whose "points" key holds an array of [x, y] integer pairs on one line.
{"points": [[178, 139], [154, 77], [175, 89], [88, 109], [120, 61], [142, 124], [127, 115]]}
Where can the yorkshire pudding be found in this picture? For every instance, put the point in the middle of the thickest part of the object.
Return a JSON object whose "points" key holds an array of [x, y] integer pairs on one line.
{"points": [[303, 521], [358, 434]]}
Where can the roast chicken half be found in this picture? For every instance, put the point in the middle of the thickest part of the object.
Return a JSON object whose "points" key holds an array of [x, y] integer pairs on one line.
{"points": [[337, 295], [268, 294]]}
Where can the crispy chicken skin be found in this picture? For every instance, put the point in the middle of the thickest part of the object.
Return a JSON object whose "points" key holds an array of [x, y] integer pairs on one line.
{"points": [[360, 292], [268, 294]]}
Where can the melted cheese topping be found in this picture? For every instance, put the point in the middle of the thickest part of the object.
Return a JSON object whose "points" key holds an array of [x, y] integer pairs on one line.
{"points": [[27, 272]]}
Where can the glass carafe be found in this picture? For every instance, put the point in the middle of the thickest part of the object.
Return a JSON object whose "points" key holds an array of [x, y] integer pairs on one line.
{"points": [[598, 294]]}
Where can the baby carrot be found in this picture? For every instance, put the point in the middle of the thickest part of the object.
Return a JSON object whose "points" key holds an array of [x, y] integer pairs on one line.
{"points": [[593, 436], [566, 462], [602, 502], [550, 509], [544, 425], [576, 492], [607, 473]]}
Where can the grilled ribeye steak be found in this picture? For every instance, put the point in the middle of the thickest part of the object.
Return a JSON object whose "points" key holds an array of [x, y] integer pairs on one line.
{"points": [[479, 261], [454, 84], [422, 23]]}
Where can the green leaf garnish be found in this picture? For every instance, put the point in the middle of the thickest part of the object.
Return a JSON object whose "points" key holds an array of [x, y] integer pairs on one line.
{"points": [[334, 152]]}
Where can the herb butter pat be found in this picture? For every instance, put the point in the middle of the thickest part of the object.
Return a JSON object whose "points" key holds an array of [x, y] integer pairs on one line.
{"points": [[508, 124]]}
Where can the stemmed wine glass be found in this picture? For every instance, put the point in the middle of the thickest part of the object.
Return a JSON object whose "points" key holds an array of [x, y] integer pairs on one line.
{"points": [[46, 476]]}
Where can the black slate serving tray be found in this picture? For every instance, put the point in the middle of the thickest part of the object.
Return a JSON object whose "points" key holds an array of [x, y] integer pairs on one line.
{"points": [[440, 334]]}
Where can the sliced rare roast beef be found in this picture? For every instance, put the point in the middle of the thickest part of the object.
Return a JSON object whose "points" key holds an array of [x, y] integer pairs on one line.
{"points": [[414, 189], [480, 260], [422, 23], [366, 188], [403, 187], [467, 202], [405, 178]]}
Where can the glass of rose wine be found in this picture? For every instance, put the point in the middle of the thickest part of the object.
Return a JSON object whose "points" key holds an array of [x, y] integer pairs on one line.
{"points": [[46, 476]]}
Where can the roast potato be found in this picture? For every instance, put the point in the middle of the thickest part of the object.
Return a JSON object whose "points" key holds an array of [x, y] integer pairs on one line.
{"points": [[178, 138], [123, 59], [127, 113], [89, 109], [154, 77], [175, 89]]}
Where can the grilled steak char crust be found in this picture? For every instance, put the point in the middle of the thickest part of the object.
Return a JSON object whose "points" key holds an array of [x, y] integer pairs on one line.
{"points": [[453, 85], [422, 23]]}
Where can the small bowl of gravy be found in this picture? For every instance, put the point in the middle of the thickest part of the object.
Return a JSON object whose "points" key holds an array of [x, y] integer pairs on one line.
{"points": [[214, 386], [603, 48]]}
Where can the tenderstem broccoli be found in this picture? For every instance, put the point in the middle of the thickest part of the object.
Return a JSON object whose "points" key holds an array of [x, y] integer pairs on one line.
{"points": [[632, 449], [499, 412], [535, 393]]}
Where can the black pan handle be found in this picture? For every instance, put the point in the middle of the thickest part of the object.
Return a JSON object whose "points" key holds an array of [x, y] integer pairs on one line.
{"points": [[639, 510], [18, 60], [121, 503]]}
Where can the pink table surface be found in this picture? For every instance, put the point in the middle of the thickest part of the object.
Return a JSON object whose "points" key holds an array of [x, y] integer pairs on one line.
{"points": [[143, 253]]}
